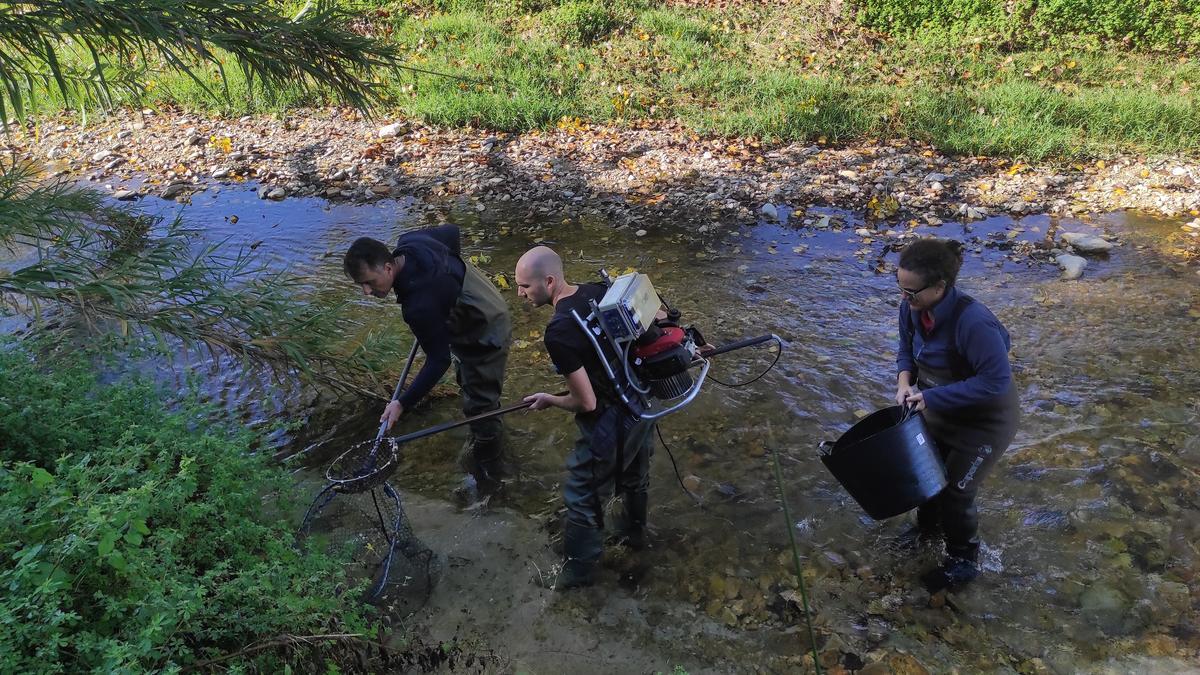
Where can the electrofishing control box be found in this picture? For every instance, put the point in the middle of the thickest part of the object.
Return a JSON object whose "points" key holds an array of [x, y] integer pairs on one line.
{"points": [[629, 306]]}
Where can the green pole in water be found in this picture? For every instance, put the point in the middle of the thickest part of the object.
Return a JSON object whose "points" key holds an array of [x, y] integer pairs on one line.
{"points": [[787, 516]]}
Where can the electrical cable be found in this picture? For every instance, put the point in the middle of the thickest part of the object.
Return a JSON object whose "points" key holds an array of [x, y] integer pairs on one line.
{"points": [[758, 377], [698, 500]]}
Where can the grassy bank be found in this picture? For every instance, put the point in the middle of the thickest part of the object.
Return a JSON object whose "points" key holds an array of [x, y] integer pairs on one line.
{"points": [[1082, 80], [133, 538]]}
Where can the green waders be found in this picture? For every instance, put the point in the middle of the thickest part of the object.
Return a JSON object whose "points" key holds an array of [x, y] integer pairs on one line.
{"points": [[480, 334]]}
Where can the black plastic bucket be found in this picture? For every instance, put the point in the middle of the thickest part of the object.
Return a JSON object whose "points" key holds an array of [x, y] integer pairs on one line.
{"points": [[887, 462]]}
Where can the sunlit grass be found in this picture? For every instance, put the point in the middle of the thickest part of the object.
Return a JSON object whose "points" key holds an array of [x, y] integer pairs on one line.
{"points": [[739, 73]]}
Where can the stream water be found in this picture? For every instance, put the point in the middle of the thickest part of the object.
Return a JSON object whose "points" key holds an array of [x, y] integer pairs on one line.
{"points": [[1090, 520]]}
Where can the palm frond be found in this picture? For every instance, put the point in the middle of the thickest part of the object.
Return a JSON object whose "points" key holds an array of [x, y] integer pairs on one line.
{"points": [[314, 48]]}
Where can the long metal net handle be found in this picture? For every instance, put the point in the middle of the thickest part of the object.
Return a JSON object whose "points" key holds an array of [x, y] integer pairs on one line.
{"points": [[369, 464]]}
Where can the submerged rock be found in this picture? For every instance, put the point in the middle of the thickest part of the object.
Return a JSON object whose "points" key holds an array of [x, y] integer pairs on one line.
{"points": [[175, 189], [1103, 606], [1087, 243], [1071, 265]]}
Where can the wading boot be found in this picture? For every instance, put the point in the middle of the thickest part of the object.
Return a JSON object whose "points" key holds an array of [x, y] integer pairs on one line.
{"points": [[582, 547], [481, 459], [952, 574], [630, 525], [915, 537]]}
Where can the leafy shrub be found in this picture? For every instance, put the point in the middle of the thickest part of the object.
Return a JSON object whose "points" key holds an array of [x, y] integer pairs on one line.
{"points": [[134, 538], [583, 23], [1163, 25]]}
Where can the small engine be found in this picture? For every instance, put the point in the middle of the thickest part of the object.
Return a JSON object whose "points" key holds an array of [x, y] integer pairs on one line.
{"points": [[662, 361], [659, 351]]}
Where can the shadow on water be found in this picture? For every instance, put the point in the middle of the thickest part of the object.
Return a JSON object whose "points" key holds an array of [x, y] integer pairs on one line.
{"points": [[1090, 520]]}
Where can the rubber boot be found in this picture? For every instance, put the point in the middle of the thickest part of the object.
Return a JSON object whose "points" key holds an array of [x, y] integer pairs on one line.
{"points": [[582, 547], [926, 532], [630, 528], [480, 458], [488, 453], [952, 574]]}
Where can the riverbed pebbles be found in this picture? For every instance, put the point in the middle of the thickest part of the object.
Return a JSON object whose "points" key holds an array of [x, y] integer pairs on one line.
{"points": [[635, 176]]}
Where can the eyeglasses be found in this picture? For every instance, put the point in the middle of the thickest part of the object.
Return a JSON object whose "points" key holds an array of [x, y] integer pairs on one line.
{"points": [[912, 295]]}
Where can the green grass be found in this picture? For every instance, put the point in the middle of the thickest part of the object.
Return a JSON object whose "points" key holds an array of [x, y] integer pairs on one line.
{"points": [[772, 72]]}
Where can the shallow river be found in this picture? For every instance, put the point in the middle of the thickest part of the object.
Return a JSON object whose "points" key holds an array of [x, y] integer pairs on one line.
{"points": [[1090, 521]]}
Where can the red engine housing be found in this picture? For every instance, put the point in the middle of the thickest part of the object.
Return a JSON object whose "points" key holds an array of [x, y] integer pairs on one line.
{"points": [[670, 338]]}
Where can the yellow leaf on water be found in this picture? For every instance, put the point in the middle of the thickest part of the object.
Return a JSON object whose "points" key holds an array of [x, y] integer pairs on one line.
{"points": [[535, 334], [501, 281], [860, 413]]}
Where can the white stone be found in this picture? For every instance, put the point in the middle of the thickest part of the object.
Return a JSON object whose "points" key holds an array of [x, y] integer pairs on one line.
{"points": [[846, 173], [935, 177], [1087, 243], [391, 130], [102, 155], [124, 195], [277, 193], [221, 172], [114, 163], [1071, 265], [770, 211]]}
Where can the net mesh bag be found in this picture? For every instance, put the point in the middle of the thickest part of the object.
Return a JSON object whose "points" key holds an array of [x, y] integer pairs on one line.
{"points": [[368, 517]]}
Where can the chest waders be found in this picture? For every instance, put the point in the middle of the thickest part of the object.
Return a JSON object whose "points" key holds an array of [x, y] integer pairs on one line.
{"points": [[611, 456], [480, 333], [970, 440]]}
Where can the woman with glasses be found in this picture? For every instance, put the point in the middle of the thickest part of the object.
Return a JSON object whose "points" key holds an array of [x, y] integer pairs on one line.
{"points": [[953, 367]]}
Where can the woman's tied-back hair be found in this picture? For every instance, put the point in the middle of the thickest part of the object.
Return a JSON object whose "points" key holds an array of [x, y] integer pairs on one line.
{"points": [[364, 253], [933, 260]]}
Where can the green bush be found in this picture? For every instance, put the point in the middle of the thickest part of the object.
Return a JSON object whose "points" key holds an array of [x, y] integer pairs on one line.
{"points": [[583, 23], [134, 538], [1160, 25]]}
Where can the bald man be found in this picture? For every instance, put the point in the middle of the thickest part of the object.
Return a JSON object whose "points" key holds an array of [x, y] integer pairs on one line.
{"points": [[612, 452]]}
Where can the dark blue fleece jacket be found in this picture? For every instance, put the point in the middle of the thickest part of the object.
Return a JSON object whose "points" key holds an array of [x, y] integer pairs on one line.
{"points": [[427, 288], [966, 338]]}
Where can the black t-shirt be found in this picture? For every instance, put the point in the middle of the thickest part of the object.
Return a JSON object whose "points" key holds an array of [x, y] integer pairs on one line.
{"points": [[568, 346]]}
